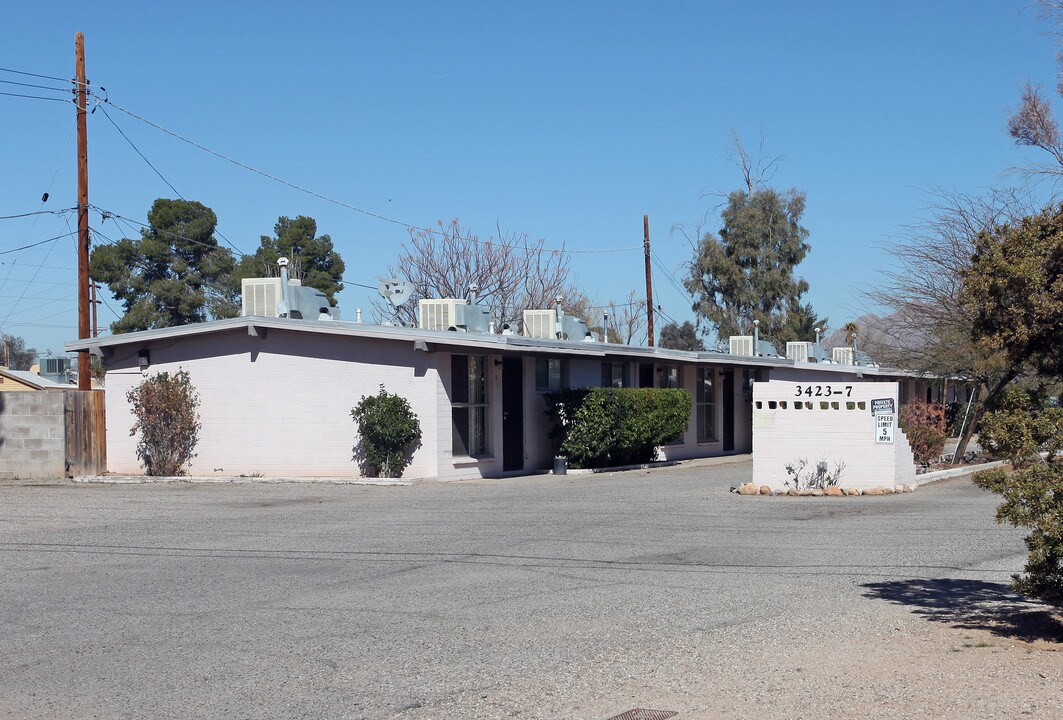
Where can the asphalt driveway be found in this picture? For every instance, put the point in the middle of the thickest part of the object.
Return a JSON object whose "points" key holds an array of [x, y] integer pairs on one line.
{"points": [[577, 597]]}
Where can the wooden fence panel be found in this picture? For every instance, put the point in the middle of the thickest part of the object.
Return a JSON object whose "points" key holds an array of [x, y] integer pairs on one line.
{"points": [[86, 432]]}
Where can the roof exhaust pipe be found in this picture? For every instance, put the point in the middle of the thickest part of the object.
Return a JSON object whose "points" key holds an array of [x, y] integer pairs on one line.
{"points": [[286, 293]]}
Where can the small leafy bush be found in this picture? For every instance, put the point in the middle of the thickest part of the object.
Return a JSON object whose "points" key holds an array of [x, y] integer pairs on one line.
{"points": [[1022, 428], [1033, 498], [165, 409], [605, 427], [924, 426], [388, 432]]}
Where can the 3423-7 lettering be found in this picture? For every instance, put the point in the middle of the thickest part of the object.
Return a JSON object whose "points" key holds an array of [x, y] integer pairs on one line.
{"points": [[823, 391]]}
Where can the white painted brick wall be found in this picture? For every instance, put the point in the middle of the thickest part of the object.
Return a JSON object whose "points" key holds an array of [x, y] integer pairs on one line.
{"points": [[784, 435], [281, 406]]}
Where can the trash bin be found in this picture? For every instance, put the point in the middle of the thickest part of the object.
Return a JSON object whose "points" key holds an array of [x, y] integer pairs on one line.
{"points": [[560, 466]]}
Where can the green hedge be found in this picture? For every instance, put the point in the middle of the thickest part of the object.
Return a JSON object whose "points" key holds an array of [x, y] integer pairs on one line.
{"points": [[606, 427]]}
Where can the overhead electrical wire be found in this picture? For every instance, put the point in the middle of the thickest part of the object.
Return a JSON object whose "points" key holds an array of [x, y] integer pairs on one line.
{"points": [[36, 75], [33, 245], [340, 203], [107, 214], [37, 271], [39, 87], [38, 97], [116, 217], [157, 172], [39, 212]]}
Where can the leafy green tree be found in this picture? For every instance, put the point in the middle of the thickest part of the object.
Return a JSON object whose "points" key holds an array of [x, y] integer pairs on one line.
{"points": [[173, 274], [16, 355], [746, 271], [313, 259], [1015, 287], [800, 325], [681, 337]]}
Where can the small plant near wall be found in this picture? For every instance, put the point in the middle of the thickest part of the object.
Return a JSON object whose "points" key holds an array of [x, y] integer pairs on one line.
{"points": [[388, 433], [924, 426], [166, 418], [821, 476]]}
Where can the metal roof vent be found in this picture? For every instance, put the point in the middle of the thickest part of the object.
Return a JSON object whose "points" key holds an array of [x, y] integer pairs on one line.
{"points": [[741, 345], [798, 351], [842, 355]]}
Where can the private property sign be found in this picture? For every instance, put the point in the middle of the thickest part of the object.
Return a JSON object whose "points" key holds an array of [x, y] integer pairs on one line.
{"points": [[883, 406], [885, 412]]}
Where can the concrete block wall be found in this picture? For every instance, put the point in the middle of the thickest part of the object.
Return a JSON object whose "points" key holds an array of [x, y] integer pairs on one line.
{"points": [[32, 435], [830, 422]]}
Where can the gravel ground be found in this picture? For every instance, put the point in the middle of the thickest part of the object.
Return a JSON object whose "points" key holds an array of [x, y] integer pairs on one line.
{"points": [[541, 597]]}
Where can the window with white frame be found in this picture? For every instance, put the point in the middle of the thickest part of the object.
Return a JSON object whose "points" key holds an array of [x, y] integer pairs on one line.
{"points": [[705, 399], [551, 374], [468, 377]]}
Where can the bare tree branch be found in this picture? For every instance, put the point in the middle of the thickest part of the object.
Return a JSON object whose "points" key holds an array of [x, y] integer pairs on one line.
{"points": [[513, 272]]}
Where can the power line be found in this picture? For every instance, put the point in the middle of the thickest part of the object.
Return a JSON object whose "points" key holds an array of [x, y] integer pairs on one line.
{"points": [[39, 87], [340, 203], [32, 245], [39, 212], [668, 277], [37, 97], [105, 214], [36, 75], [37, 271], [161, 177]]}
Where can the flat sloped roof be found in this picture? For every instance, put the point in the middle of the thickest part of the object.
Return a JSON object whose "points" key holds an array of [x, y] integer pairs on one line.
{"points": [[260, 326]]}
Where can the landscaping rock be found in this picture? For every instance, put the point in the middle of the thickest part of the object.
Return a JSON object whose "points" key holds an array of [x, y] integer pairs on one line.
{"points": [[852, 491], [765, 490], [804, 493], [834, 492], [816, 492], [874, 491], [791, 492], [747, 489]]}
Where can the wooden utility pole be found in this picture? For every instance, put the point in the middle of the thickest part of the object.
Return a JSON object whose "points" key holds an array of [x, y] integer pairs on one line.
{"points": [[95, 286], [649, 279], [84, 368]]}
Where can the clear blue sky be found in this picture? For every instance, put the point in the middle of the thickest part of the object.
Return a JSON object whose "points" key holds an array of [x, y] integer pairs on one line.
{"points": [[567, 121]]}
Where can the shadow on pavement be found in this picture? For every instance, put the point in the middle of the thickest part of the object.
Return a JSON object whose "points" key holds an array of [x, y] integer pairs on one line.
{"points": [[973, 605]]}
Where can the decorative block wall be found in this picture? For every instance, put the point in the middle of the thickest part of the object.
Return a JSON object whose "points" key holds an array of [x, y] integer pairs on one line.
{"points": [[831, 422]]}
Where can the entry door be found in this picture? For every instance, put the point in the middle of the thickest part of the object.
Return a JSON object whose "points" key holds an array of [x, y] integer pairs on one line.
{"points": [[512, 414], [728, 410]]}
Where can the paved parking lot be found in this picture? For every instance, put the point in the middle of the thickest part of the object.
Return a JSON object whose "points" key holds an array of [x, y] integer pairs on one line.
{"points": [[542, 597]]}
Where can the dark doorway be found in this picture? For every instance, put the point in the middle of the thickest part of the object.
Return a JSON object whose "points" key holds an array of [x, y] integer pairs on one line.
{"points": [[645, 375], [512, 414], [728, 410]]}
